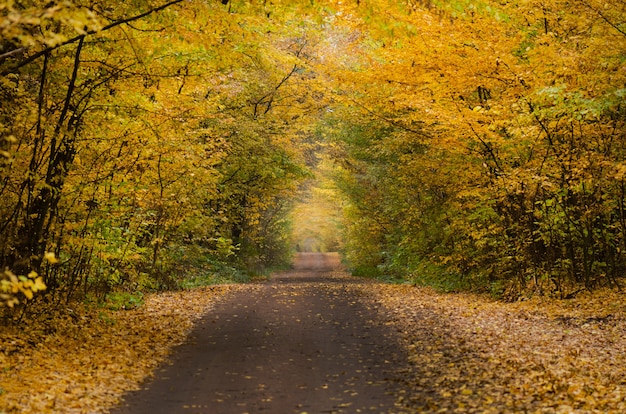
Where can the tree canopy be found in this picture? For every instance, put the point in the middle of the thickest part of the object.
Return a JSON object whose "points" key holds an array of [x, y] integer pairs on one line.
{"points": [[468, 144]]}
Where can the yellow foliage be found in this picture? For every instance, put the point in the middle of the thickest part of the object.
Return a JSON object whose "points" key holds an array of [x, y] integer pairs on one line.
{"points": [[11, 286]]}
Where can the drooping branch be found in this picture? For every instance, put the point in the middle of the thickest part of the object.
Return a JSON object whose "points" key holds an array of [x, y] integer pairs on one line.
{"points": [[396, 124], [606, 19], [75, 39], [268, 98]]}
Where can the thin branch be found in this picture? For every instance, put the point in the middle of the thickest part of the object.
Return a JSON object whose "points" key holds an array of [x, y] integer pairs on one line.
{"points": [[12, 52], [613, 25], [389, 121], [70, 88], [273, 94], [270, 95], [40, 103], [87, 33]]}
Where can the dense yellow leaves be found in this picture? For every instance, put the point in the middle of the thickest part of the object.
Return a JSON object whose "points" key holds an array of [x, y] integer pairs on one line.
{"points": [[13, 286], [144, 143], [202, 131], [478, 139], [19, 23]]}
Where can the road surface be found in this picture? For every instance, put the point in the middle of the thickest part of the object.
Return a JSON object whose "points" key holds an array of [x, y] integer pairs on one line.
{"points": [[304, 342]]}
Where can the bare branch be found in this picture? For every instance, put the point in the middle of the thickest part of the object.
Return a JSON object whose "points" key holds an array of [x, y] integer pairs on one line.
{"points": [[12, 52], [82, 36], [613, 25]]}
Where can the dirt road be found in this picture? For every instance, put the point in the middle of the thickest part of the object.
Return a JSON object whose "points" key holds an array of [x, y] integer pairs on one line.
{"points": [[304, 342]]}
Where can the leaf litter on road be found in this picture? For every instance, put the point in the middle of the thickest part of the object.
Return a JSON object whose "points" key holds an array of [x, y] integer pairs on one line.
{"points": [[81, 360], [471, 354]]}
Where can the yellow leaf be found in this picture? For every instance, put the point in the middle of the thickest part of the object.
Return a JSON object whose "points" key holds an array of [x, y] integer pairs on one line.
{"points": [[50, 258], [38, 285]]}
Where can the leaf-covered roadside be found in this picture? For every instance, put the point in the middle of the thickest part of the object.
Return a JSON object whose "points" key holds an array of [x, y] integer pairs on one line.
{"points": [[469, 354], [83, 359]]}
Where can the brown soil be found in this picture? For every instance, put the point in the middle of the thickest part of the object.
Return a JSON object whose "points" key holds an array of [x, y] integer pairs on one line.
{"points": [[304, 342]]}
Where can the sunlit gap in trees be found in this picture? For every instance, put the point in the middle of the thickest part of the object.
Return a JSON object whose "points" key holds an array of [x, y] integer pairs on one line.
{"points": [[316, 218]]}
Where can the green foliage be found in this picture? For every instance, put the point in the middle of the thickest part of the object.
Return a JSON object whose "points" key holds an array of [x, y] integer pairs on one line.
{"points": [[439, 277], [123, 300], [213, 273]]}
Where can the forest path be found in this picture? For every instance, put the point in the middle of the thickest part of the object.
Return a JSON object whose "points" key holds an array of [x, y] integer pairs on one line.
{"points": [[304, 342]]}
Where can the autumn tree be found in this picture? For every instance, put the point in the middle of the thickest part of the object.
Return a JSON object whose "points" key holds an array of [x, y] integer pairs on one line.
{"points": [[142, 140], [463, 121]]}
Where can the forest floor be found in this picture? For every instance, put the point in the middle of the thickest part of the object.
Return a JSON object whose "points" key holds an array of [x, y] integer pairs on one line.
{"points": [[327, 342]]}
